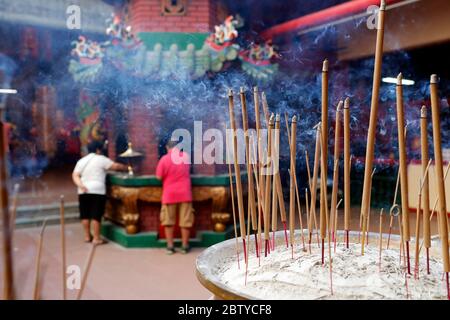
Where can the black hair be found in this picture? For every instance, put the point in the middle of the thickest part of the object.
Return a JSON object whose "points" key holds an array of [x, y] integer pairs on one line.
{"points": [[170, 144], [95, 146]]}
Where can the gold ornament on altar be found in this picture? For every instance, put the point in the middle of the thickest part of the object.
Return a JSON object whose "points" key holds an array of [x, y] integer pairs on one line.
{"points": [[129, 154]]}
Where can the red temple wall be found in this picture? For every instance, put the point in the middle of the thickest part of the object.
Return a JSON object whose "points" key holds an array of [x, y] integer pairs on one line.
{"points": [[147, 16]]}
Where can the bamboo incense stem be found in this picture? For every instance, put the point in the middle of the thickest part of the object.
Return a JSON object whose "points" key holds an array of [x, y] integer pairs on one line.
{"points": [[323, 194], [259, 156], [315, 177], [416, 258], [333, 209], [347, 165], [366, 216], [337, 152], [323, 203], [63, 246], [258, 192], [296, 185], [279, 191], [380, 237], [308, 220], [365, 205], [251, 188], [426, 188], [276, 148], [325, 114], [402, 158], [436, 202], [8, 278], [37, 267], [308, 169], [86, 269], [234, 212], [293, 152], [237, 169], [269, 169], [435, 112], [437, 199]]}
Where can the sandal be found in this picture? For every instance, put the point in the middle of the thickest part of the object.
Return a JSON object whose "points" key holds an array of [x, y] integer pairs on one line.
{"points": [[99, 242], [88, 240]]}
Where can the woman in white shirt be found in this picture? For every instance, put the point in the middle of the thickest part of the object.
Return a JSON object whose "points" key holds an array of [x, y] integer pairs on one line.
{"points": [[89, 176]]}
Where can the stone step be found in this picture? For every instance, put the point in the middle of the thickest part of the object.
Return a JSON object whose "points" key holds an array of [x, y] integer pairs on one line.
{"points": [[34, 215]]}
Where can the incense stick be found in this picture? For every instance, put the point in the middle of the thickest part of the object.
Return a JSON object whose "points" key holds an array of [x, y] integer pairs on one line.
{"points": [[380, 237], [373, 112], [8, 270], [293, 151], [347, 165], [250, 192], [435, 112], [237, 171], [402, 164], [63, 246], [337, 135], [37, 266], [234, 213], [426, 188], [268, 185], [314, 181], [296, 185], [276, 148], [14, 209], [324, 151], [86, 269]]}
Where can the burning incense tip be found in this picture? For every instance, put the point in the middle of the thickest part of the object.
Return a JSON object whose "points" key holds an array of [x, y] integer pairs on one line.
{"points": [[294, 118], [383, 5], [339, 106], [434, 78], [399, 79], [423, 112], [255, 89], [317, 125], [230, 92], [325, 66], [241, 90], [277, 118]]}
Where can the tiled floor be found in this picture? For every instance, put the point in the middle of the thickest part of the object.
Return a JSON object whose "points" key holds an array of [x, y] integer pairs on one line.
{"points": [[116, 273]]}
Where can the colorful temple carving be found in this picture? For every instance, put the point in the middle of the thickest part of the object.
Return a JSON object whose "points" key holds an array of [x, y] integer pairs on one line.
{"points": [[188, 56]]}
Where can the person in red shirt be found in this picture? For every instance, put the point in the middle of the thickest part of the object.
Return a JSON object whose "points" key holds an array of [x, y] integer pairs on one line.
{"points": [[173, 169]]}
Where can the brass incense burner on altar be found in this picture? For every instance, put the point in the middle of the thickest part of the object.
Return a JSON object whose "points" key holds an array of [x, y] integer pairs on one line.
{"points": [[130, 155]]}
